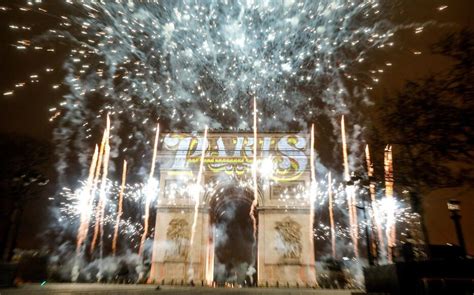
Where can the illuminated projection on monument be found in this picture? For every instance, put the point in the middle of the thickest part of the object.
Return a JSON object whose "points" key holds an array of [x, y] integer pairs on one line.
{"points": [[233, 154]]}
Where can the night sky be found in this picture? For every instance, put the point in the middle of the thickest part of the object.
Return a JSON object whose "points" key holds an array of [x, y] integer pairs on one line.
{"points": [[26, 112]]}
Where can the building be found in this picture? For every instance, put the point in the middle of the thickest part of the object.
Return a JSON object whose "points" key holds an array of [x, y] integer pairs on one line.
{"points": [[284, 236]]}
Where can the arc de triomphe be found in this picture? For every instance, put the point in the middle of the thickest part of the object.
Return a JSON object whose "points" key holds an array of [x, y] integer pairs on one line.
{"points": [[285, 250]]}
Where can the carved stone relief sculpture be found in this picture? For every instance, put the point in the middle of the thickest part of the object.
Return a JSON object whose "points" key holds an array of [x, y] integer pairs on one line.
{"points": [[288, 240], [177, 237]]}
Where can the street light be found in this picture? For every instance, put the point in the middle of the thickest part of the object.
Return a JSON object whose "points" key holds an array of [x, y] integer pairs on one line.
{"points": [[454, 207]]}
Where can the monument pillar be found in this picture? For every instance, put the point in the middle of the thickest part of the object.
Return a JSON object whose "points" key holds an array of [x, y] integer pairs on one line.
{"points": [[285, 235], [174, 261], [285, 249]]}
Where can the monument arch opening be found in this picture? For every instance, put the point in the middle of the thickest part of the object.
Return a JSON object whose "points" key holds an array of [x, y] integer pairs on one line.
{"points": [[235, 249]]}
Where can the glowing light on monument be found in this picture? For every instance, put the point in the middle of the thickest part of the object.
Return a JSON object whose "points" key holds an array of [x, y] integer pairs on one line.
{"points": [[267, 168]]}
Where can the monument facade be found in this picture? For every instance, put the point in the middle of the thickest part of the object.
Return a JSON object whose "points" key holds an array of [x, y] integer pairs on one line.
{"points": [[185, 233]]}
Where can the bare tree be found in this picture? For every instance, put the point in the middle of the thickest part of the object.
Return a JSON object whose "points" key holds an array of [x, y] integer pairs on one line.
{"points": [[430, 123], [22, 177]]}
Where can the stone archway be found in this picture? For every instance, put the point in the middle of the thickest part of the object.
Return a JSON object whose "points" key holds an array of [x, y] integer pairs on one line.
{"points": [[285, 247], [234, 247]]}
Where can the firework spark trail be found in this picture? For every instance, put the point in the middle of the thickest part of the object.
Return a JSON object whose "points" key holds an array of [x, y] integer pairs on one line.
{"points": [[313, 189], [185, 62], [105, 138], [95, 183], [93, 178], [374, 208], [350, 194], [102, 203], [390, 229], [85, 209], [85, 212], [254, 172], [197, 198], [102, 163], [149, 192], [331, 217], [94, 188], [210, 256], [312, 198], [120, 207], [103, 184]]}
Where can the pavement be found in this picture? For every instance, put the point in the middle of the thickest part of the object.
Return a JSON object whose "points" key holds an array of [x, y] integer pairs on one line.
{"points": [[118, 289]]}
